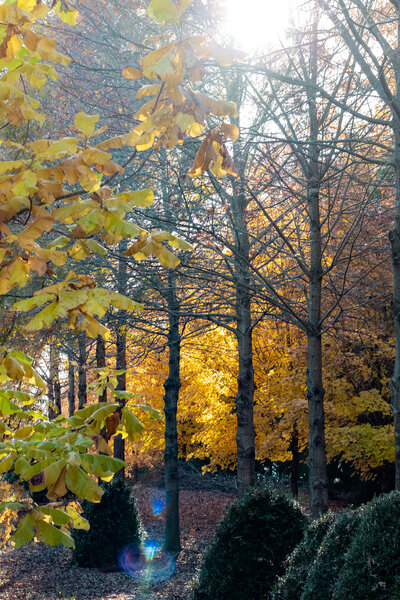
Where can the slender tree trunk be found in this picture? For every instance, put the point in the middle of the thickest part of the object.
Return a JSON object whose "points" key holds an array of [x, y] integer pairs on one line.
{"points": [[82, 389], [172, 385], [52, 411], [318, 478], [119, 443], [245, 436], [101, 362], [71, 385], [57, 386], [294, 468], [394, 237]]}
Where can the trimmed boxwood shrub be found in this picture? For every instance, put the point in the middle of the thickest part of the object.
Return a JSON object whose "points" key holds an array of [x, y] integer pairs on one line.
{"points": [[114, 523], [330, 557], [291, 585], [372, 563], [250, 546]]}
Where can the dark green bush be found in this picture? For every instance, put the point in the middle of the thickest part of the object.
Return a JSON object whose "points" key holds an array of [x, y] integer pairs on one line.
{"points": [[291, 585], [249, 547], [372, 563], [323, 574], [114, 523]]}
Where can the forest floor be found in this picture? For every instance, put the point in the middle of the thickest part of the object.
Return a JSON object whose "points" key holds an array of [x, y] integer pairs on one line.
{"points": [[37, 572]]}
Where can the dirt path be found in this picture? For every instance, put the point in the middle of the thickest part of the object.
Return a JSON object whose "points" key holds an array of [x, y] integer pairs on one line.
{"points": [[37, 572]]}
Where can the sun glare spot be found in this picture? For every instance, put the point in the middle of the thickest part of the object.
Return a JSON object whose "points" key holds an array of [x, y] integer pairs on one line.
{"points": [[256, 24]]}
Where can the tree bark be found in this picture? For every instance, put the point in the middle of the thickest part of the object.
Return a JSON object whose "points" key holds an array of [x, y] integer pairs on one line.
{"points": [[101, 362], [318, 479], [172, 385], [52, 409], [71, 385], [57, 386], [119, 442], [245, 436], [82, 389], [294, 468], [394, 237]]}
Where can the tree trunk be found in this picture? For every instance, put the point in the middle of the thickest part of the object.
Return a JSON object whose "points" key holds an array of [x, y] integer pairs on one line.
{"points": [[245, 436], [119, 443], [57, 386], [71, 386], [101, 362], [172, 384], [394, 237], [318, 478], [294, 468], [52, 410], [82, 389]]}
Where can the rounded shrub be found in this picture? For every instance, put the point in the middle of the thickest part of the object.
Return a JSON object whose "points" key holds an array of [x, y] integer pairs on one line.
{"points": [[250, 547], [330, 556], [114, 523], [290, 586], [372, 564]]}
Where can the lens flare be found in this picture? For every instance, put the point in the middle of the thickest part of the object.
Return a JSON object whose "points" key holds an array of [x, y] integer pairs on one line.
{"points": [[152, 565], [157, 504]]}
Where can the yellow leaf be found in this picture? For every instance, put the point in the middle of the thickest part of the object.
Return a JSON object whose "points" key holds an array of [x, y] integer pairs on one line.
{"points": [[13, 368], [163, 11], [46, 316], [27, 5], [67, 16], [86, 123], [73, 298], [138, 197], [131, 72], [124, 303], [230, 131], [166, 258]]}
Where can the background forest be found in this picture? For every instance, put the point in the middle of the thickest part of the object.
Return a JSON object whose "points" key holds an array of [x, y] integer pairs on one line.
{"points": [[200, 257]]}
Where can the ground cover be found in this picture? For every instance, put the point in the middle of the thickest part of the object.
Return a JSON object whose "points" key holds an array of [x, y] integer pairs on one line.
{"points": [[37, 572]]}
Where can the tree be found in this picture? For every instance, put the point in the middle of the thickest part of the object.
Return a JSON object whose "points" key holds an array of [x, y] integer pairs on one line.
{"points": [[49, 455], [374, 44]]}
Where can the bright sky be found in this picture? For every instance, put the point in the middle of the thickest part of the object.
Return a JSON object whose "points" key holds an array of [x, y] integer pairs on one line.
{"points": [[255, 24]]}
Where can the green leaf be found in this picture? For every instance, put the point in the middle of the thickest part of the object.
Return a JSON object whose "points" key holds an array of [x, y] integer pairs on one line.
{"points": [[24, 533], [50, 535], [21, 357], [163, 11], [77, 521], [10, 505], [87, 411], [59, 517], [100, 465], [59, 242], [154, 413], [95, 247], [7, 407], [82, 485], [130, 423]]}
